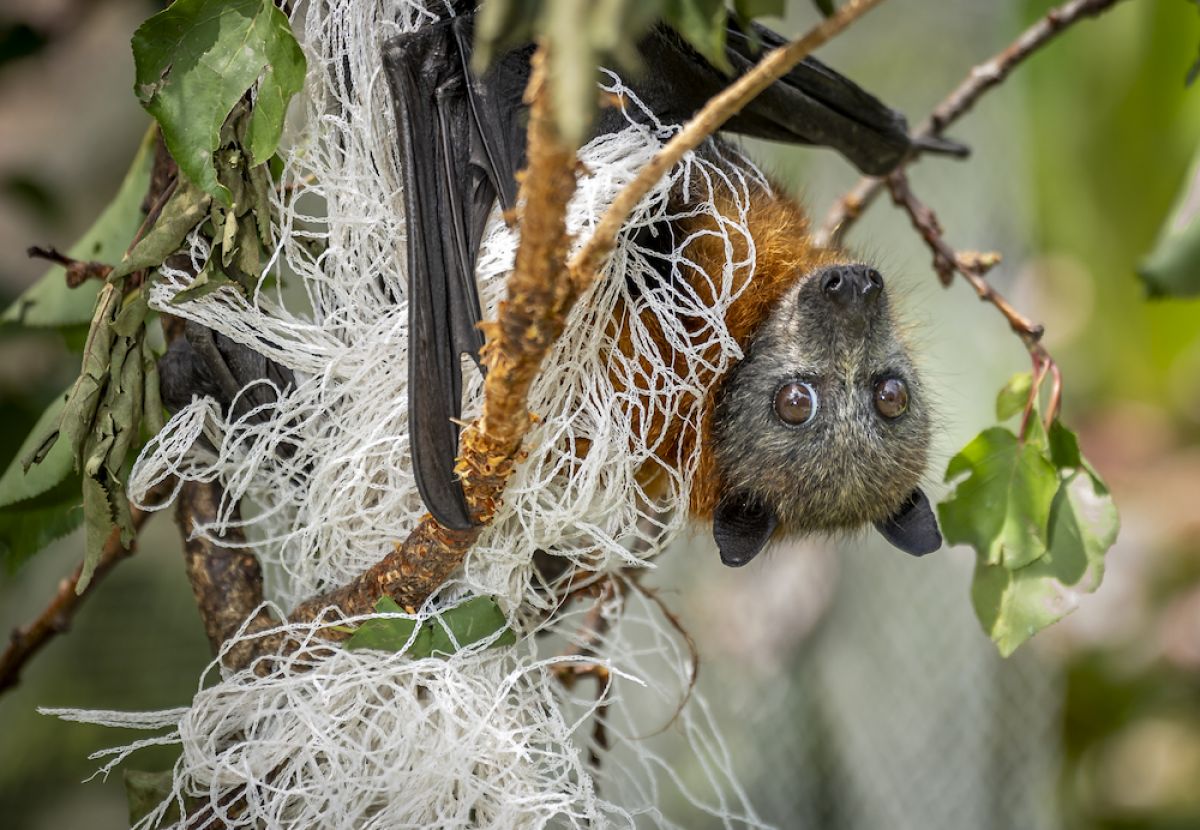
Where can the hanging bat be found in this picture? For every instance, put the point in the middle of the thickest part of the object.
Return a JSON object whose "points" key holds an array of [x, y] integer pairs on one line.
{"points": [[822, 426]]}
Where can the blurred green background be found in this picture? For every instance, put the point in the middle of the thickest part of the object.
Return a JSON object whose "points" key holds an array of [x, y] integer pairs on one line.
{"points": [[1076, 162]]}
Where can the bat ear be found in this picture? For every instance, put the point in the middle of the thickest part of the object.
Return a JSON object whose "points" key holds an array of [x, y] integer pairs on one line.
{"points": [[742, 525], [913, 528]]}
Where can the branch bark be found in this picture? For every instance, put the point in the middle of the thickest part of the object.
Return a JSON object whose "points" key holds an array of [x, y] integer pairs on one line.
{"points": [[959, 102]]}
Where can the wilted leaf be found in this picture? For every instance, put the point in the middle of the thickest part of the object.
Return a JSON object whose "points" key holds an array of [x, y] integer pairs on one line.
{"points": [[465, 624], [1002, 507], [210, 278], [1013, 396], [185, 209], [42, 461], [152, 405], [49, 302], [99, 522], [194, 62], [1013, 605], [1173, 267]]}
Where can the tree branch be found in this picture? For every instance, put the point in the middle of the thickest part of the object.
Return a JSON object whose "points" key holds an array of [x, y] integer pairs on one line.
{"points": [[959, 102], [973, 267], [226, 579]]}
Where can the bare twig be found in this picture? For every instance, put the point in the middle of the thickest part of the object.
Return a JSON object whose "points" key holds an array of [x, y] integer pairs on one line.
{"points": [[78, 271], [25, 642], [973, 266], [958, 103], [719, 109]]}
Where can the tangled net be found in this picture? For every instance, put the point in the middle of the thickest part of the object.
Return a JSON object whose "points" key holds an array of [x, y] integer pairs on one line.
{"points": [[484, 738]]}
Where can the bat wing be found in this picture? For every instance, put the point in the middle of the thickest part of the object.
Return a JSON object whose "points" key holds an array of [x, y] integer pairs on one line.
{"points": [[460, 150], [461, 141], [811, 104]]}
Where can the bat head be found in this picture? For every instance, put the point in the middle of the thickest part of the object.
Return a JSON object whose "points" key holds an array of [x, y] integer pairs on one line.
{"points": [[824, 425]]}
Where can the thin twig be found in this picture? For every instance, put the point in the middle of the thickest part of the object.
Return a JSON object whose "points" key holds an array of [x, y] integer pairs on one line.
{"points": [[972, 267], [958, 103], [719, 109], [78, 271], [25, 642]]}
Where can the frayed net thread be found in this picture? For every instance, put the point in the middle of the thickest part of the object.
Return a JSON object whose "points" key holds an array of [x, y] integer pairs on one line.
{"points": [[483, 738]]}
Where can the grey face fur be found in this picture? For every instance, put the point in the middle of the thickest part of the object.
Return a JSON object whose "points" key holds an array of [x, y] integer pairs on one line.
{"points": [[848, 464]]}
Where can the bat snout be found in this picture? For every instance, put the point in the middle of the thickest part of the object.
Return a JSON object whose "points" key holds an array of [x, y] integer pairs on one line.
{"points": [[851, 287]]}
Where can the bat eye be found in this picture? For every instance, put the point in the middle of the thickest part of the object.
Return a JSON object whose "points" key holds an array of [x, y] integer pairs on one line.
{"points": [[796, 403], [891, 397]]}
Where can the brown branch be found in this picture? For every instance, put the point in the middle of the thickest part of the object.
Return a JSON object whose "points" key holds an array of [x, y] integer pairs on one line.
{"points": [[719, 109], [78, 271], [973, 267], [979, 80], [25, 642], [226, 579], [530, 320]]}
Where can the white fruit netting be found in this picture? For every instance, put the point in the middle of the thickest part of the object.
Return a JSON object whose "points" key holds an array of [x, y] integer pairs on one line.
{"points": [[484, 738]]}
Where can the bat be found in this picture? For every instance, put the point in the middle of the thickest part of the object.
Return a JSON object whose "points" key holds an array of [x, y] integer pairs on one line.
{"points": [[827, 399]]}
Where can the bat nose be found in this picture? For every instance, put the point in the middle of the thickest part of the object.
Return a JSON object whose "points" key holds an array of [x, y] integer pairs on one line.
{"points": [[851, 286]]}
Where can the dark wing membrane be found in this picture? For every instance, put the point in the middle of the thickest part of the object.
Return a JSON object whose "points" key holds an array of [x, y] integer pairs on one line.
{"points": [[811, 104]]}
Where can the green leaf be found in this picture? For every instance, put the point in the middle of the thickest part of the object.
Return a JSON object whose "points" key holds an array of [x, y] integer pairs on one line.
{"points": [[1172, 268], [194, 62], [467, 623], [389, 634], [1014, 395], [702, 24], [49, 302], [1002, 507], [1013, 605], [825, 7], [41, 463], [28, 527]]}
